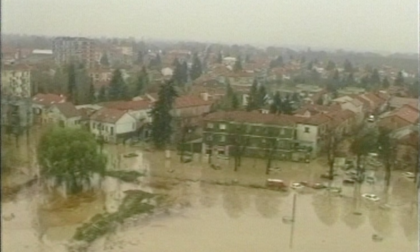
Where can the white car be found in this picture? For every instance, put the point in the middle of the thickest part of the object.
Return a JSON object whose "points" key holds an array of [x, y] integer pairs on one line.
{"points": [[371, 197], [409, 175], [297, 186]]}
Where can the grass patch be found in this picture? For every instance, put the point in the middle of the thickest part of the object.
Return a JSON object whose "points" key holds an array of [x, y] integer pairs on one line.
{"points": [[126, 176]]}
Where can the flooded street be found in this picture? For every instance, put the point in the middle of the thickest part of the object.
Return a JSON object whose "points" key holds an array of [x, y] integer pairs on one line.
{"points": [[219, 210]]}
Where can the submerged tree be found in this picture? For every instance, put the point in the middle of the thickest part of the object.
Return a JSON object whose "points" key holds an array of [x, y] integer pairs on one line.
{"points": [[387, 151], [70, 157], [365, 141], [161, 115]]}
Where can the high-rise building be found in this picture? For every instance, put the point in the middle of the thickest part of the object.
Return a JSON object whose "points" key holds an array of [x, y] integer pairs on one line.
{"points": [[74, 49]]}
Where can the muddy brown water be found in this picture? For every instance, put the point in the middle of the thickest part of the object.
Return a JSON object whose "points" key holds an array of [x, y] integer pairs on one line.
{"points": [[211, 217]]}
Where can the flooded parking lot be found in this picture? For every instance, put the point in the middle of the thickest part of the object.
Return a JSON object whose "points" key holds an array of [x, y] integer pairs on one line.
{"points": [[220, 210]]}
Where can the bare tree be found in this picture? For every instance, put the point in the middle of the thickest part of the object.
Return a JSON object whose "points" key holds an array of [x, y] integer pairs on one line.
{"points": [[240, 140], [271, 145], [387, 149], [333, 141], [364, 142]]}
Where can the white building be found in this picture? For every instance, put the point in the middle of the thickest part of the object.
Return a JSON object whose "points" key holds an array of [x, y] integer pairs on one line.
{"points": [[16, 81], [64, 114], [112, 124]]}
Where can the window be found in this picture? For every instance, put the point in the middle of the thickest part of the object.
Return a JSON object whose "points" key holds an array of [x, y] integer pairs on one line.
{"points": [[282, 131], [222, 138], [306, 129], [209, 138], [222, 126], [210, 125], [111, 130]]}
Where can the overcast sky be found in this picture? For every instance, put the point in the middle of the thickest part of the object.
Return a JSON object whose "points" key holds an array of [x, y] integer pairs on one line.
{"points": [[372, 25]]}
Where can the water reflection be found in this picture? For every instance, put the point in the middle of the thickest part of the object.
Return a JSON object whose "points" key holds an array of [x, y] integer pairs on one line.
{"points": [[267, 203], [326, 207], [232, 201], [409, 221], [209, 194], [350, 215]]}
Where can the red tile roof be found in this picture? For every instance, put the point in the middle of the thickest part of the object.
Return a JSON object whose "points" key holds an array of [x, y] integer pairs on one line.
{"points": [[107, 115], [128, 105], [48, 99], [67, 109], [190, 101], [407, 113]]}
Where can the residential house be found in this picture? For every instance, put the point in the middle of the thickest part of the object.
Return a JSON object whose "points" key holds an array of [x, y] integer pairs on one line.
{"points": [[191, 106], [41, 103], [254, 133], [112, 125], [354, 105], [64, 114], [397, 102], [399, 118]]}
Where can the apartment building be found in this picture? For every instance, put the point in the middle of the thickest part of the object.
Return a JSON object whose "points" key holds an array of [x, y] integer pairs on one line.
{"points": [[67, 49]]}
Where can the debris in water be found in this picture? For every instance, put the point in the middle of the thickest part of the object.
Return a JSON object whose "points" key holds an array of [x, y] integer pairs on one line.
{"points": [[8, 217], [377, 238]]}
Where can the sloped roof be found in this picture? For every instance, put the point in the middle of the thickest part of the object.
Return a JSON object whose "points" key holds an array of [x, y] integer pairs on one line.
{"points": [[107, 115], [190, 101], [407, 113], [48, 99], [67, 109], [128, 105]]}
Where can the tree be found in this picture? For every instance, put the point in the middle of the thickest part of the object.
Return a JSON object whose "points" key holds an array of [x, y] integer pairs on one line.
{"points": [[235, 102], [240, 140], [92, 96], [71, 84], [178, 73], [196, 68], [278, 62], [350, 79], [387, 150], [184, 72], [141, 83], [399, 81], [238, 64], [363, 142], [161, 115], [286, 106], [104, 59], [253, 97], [70, 158], [374, 78], [262, 97], [140, 57], [117, 87], [333, 141], [271, 145], [330, 66], [219, 59], [310, 65], [276, 105], [103, 96], [348, 67], [385, 83]]}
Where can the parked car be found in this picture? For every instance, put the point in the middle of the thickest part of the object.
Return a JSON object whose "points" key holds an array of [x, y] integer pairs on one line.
{"points": [[370, 179], [351, 172], [349, 181], [371, 118], [371, 197], [296, 186], [326, 175], [409, 175], [276, 184], [318, 186]]}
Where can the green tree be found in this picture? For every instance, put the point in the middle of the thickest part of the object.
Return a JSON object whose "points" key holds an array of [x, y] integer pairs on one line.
{"points": [[235, 101], [92, 96], [262, 97], [286, 106], [103, 94], [278, 62], [71, 84], [276, 105], [196, 68], [184, 72], [399, 81], [70, 157], [104, 61], [253, 97], [117, 87], [310, 65], [161, 115], [374, 78], [385, 83], [330, 65], [348, 67], [178, 73], [350, 79], [238, 64]]}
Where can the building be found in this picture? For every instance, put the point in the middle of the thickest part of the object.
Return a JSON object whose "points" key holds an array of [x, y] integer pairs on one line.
{"points": [[112, 124], [64, 115], [68, 49], [16, 81], [41, 103], [253, 134]]}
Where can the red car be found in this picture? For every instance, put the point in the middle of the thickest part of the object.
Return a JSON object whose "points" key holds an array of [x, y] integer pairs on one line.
{"points": [[277, 184]]}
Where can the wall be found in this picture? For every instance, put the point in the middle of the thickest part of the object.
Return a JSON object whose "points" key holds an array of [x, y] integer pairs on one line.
{"points": [[311, 138]]}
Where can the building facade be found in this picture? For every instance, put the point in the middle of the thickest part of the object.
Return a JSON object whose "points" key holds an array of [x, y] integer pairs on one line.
{"points": [[69, 49]]}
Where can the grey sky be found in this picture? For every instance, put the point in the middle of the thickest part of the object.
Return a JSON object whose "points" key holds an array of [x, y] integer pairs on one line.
{"points": [[378, 25]]}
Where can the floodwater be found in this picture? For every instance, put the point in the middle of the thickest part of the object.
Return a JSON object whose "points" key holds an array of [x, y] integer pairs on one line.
{"points": [[217, 210]]}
